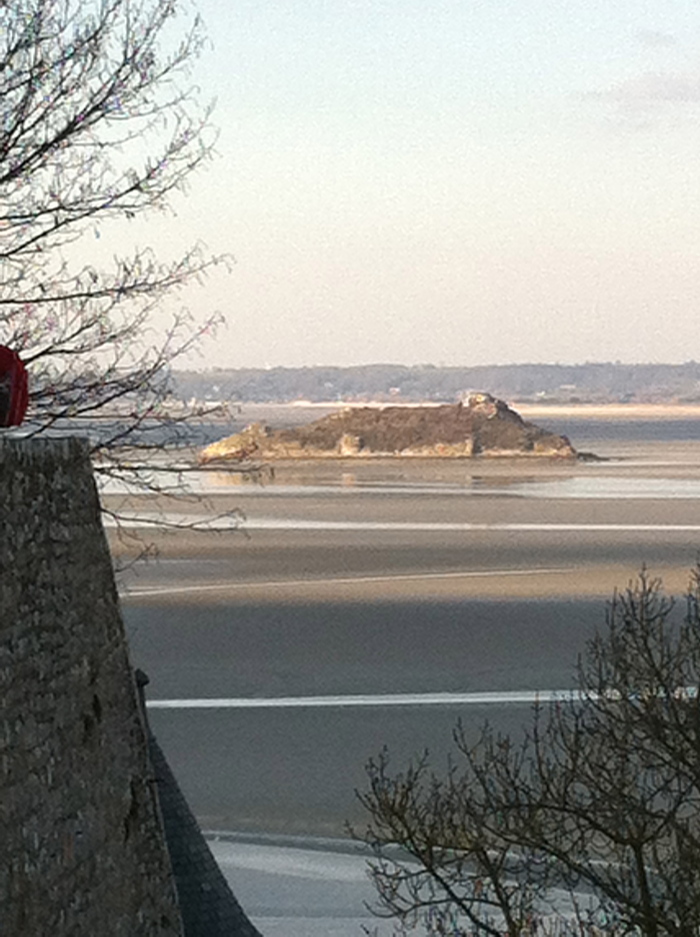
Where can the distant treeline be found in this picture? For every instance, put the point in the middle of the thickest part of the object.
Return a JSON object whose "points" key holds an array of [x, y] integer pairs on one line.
{"points": [[551, 382]]}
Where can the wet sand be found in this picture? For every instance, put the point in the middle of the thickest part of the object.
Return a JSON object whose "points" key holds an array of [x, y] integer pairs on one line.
{"points": [[496, 531], [307, 568], [396, 598]]}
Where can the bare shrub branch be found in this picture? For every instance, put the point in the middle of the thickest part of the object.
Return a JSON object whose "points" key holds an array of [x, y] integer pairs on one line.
{"points": [[589, 824]]}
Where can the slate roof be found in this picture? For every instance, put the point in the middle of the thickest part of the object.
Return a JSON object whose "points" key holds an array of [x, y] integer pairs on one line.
{"points": [[207, 905]]}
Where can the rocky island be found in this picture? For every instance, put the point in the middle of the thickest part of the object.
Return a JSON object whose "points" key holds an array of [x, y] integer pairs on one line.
{"points": [[479, 427]]}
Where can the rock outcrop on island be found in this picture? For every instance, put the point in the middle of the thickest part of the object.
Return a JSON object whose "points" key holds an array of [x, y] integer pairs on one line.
{"points": [[481, 426]]}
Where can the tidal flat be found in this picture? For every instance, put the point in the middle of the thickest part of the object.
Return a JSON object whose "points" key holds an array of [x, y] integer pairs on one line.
{"points": [[348, 584]]}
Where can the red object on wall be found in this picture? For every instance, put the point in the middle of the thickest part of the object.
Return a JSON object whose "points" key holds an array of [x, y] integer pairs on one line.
{"points": [[13, 388]]}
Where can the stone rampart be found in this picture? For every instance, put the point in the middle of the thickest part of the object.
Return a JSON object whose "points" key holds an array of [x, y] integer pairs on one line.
{"points": [[82, 850]]}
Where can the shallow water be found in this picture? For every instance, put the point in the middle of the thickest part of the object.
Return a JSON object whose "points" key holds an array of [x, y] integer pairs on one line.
{"points": [[313, 689]]}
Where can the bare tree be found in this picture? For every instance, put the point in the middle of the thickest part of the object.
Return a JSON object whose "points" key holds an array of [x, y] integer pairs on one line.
{"points": [[99, 125], [588, 824]]}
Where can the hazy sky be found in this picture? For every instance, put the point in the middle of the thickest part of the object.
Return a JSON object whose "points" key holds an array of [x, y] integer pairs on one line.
{"points": [[451, 181]]}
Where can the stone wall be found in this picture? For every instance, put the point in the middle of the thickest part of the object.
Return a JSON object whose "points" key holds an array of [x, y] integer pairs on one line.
{"points": [[82, 848]]}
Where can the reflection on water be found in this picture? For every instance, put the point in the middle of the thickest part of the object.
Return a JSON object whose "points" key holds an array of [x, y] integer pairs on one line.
{"points": [[228, 479], [647, 470], [583, 487]]}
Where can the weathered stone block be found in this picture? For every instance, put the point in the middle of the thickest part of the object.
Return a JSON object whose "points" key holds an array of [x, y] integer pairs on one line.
{"points": [[83, 850]]}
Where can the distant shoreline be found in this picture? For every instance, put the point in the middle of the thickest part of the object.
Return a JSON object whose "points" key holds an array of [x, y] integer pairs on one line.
{"points": [[605, 411], [260, 411]]}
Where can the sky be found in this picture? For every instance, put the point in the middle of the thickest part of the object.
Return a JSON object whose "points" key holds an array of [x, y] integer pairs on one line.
{"points": [[453, 182]]}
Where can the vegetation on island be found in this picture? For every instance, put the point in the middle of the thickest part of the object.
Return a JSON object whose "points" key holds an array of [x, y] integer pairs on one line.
{"points": [[480, 426]]}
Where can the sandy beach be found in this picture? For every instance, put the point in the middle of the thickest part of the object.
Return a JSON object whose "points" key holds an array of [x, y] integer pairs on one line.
{"points": [[610, 411]]}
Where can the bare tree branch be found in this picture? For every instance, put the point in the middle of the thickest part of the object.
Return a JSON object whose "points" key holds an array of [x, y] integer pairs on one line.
{"points": [[100, 123]]}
